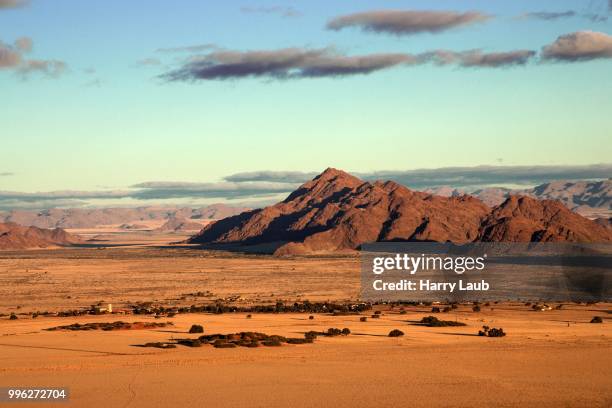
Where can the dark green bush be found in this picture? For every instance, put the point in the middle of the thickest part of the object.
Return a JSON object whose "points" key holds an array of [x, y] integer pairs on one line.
{"points": [[190, 342], [311, 335], [196, 328], [333, 332], [396, 333]]}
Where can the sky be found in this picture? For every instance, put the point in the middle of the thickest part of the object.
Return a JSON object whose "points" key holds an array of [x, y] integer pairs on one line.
{"points": [[145, 101]]}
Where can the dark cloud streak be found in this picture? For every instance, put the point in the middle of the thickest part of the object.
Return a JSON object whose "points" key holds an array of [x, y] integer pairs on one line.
{"points": [[549, 15], [280, 10], [406, 22], [188, 48], [296, 63]]}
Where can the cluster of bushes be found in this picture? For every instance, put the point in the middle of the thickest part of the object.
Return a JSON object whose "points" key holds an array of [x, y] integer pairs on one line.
{"points": [[446, 309], [249, 339], [432, 321], [279, 307], [491, 332], [119, 325], [331, 332]]}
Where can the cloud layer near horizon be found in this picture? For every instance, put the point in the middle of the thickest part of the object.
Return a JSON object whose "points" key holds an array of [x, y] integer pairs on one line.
{"points": [[478, 176], [273, 185]]}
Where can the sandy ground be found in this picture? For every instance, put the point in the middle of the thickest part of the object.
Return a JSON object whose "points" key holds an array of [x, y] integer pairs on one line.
{"points": [[541, 362], [548, 359], [60, 279]]}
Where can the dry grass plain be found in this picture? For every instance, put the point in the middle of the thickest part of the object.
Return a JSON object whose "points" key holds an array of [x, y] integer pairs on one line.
{"points": [[548, 359]]}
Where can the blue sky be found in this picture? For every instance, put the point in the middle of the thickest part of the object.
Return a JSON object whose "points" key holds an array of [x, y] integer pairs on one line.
{"points": [[107, 118]]}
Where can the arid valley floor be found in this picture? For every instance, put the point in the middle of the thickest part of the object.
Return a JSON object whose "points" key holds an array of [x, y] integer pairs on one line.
{"points": [[553, 358]]}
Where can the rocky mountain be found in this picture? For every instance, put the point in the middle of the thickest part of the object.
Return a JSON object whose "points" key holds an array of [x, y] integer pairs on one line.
{"points": [[337, 211], [14, 236], [526, 219], [93, 217]]}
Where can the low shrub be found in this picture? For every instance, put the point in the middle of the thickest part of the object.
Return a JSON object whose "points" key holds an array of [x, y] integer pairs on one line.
{"points": [[271, 343], [311, 335], [297, 341], [375, 316], [248, 316], [13, 316], [196, 328], [435, 309], [447, 309], [346, 331], [363, 319], [311, 317], [597, 319], [190, 342], [396, 333], [476, 308]]}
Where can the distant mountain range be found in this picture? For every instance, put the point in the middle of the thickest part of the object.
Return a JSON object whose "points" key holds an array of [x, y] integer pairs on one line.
{"points": [[178, 224], [592, 199], [93, 217], [337, 211]]}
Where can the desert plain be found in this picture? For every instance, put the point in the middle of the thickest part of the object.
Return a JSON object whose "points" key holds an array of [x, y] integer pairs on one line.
{"points": [[552, 358]]}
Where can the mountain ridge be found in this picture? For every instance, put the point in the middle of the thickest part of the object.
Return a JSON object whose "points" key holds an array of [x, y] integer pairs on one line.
{"points": [[336, 211]]}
